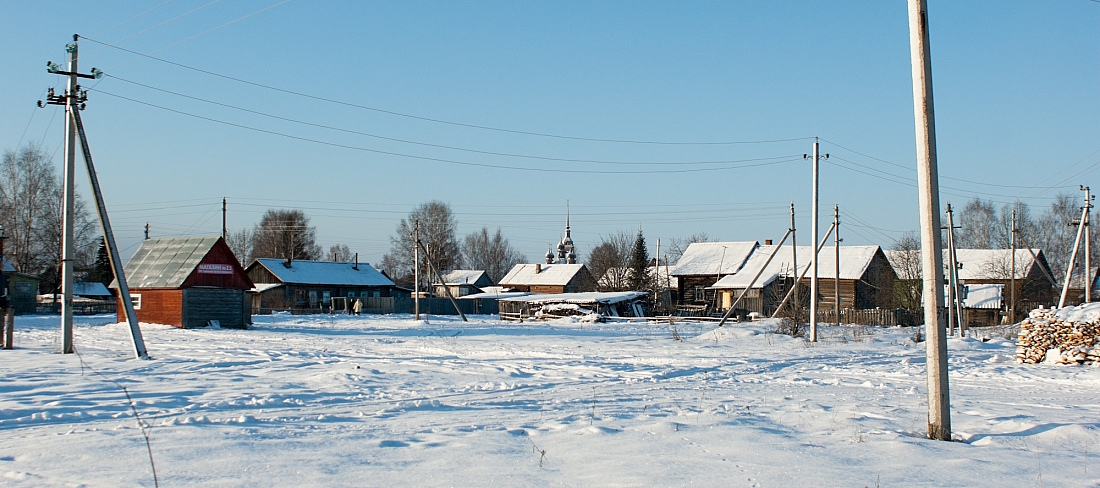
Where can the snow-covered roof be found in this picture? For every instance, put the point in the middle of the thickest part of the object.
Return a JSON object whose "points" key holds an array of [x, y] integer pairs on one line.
{"points": [[984, 296], [580, 298], [703, 258], [993, 264], [548, 274], [661, 273], [493, 294], [166, 262], [90, 289], [262, 287], [465, 277], [854, 261], [324, 273], [978, 264]]}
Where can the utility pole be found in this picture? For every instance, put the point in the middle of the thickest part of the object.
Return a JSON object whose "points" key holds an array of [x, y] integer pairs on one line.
{"points": [[224, 233], [1073, 257], [1012, 282], [1088, 244], [657, 275], [73, 100], [416, 269], [68, 246], [794, 263], [836, 247], [147, 231], [813, 238], [952, 286], [928, 192]]}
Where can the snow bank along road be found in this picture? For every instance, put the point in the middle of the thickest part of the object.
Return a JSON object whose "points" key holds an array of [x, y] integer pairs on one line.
{"points": [[388, 401]]}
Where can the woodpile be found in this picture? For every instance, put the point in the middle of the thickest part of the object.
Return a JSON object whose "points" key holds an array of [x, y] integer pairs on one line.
{"points": [[1044, 337]]}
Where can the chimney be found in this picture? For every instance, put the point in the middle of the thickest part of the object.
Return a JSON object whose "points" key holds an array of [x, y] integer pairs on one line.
{"points": [[767, 242], [356, 267], [538, 268], [287, 263]]}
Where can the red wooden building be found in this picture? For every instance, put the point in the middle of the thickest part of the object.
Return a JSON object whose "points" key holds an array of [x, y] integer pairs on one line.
{"points": [[187, 282]]}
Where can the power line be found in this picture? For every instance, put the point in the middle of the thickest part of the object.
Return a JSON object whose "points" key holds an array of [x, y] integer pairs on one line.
{"points": [[769, 161], [428, 144], [441, 121], [131, 19], [203, 33], [173, 19]]}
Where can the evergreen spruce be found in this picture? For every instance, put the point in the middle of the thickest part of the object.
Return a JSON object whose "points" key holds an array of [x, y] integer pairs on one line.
{"points": [[639, 278], [101, 271]]}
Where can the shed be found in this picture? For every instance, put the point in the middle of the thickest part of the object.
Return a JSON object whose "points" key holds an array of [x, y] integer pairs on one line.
{"points": [[595, 305], [311, 285], [462, 282], [994, 267], [704, 263], [187, 282], [549, 278], [22, 289]]}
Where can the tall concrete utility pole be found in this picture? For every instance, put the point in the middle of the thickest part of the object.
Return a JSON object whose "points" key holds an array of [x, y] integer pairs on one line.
{"points": [[952, 285], [836, 250], [928, 192], [68, 245], [1088, 245], [794, 272], [1012, 294], [813, 238]]}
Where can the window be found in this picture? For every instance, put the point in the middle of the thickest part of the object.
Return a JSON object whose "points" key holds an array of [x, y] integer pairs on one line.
{"points": [[351, 294], [135, 298], [700, 293], [376, 294]]}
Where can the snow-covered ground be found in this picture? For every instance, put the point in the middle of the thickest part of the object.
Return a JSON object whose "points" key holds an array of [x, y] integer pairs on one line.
{"points": [[387, 401]]}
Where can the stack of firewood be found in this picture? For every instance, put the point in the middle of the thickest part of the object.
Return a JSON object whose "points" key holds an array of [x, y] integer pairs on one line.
{"points": [[1046, 337]]}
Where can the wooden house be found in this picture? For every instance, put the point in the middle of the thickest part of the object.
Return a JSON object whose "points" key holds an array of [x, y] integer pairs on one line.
{"points": [[549, 278], [462, 282], [994, 266], [311, 285], [187, 282], [866, 279], [703, 264]]}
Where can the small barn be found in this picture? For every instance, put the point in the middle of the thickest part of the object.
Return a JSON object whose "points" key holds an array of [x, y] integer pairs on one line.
{"points": [[549, 278], [594, 306], [22, 290], [704, 263], [766, 292], [462, 282], [187, 282], [306, 286]]}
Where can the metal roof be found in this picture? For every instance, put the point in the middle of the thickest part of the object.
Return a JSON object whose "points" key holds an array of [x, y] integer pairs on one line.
{"points": [[324, 273], [547, 274], [167, 262], [714, 258]]}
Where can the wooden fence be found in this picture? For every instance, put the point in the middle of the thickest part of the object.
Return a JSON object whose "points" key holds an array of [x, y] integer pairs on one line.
{"points": [[875, 316]]}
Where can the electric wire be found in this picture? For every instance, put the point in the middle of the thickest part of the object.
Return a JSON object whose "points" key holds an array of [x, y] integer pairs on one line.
{"points": [[769, 161], [203, 33], [131, 19], [428, 144], [441, 121], [173, 19]]}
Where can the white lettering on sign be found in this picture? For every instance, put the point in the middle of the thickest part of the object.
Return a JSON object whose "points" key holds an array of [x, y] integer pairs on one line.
{"points": [[216, 268]]}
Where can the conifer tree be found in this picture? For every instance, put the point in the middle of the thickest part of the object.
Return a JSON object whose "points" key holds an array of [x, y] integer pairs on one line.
{"points": [[639, 278]]}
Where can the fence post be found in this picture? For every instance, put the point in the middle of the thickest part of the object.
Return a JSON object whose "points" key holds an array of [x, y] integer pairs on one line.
{"points": [[9, 328]]}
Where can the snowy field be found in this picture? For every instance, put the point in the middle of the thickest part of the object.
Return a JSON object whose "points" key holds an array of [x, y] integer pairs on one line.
{"points": [[387, 401]]}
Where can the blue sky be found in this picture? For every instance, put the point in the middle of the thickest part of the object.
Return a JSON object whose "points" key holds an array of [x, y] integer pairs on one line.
{"points": [[1017, 107]]}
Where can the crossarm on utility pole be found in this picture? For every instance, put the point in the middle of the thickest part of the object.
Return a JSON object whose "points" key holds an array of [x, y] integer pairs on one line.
{"points": [[440, 278], [791, 292], [734, 305], [112, 249]]}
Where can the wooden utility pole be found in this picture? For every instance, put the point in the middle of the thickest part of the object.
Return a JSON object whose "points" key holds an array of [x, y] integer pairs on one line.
{"points": [[416, 269], [939, 404], [836, 249], [147, 231], [224, 233]]}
